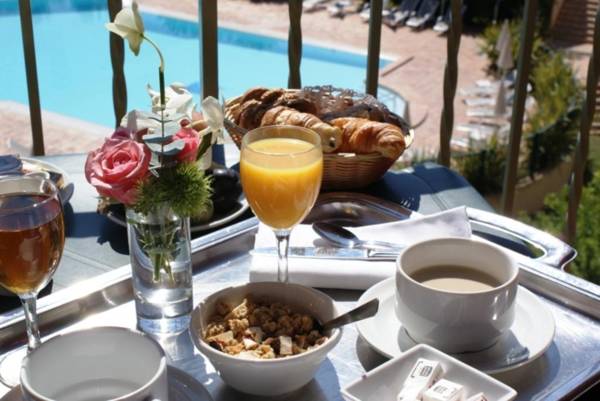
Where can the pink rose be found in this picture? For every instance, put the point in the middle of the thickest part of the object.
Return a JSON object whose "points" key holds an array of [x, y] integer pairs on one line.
{"points": [[192, 141], [117, 167]]}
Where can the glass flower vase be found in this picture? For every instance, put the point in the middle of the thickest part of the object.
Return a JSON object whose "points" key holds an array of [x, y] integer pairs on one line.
{"points": [[160, 253]]}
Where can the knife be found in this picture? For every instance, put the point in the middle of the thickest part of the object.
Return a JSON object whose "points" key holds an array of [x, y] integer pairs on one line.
{"points": [[330, 253]]}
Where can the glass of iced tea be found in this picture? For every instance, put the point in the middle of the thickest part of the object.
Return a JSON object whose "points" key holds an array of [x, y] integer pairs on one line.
{"points": [[32, 238], [281, 168]]}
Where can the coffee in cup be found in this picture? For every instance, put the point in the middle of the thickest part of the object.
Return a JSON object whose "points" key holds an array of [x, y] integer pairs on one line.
{"points": [[456, 294]]}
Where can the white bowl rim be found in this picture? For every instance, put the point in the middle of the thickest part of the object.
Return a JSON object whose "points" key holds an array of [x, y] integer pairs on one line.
{"points": [[199, 341], [514, 276], [162, 364]]}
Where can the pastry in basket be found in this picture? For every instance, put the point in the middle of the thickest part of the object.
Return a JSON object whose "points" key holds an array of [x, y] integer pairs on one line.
{"points": [[331, 137], [362, 136]]}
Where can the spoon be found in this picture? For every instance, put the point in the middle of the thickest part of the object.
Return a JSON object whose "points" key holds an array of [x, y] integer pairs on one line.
{"points": [[362, 312], [345, 238]]}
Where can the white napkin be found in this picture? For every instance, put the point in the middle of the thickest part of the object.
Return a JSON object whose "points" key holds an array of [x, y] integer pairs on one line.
{"points": [[354, 274]]}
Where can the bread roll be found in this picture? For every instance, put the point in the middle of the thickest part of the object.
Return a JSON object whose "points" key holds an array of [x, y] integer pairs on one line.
{"points": [[363, 136], [330, 136]]}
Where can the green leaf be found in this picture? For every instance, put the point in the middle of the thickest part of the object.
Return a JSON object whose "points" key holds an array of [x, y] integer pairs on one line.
{"points": [[170, 149], [157, 138], [204, 145]]}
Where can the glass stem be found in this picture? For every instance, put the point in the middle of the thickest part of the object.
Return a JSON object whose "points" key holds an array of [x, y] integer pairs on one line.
{"points": [[283, 239], [31, 321]]}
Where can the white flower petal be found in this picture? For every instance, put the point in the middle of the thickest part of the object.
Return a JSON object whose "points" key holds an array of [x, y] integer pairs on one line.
{"points": [[117, 29], [213, 113], [137, 18], [135, 41], [126, 19]]}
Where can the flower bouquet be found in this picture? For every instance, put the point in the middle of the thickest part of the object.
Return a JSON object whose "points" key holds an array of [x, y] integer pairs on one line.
{"points": [[154, 166]]}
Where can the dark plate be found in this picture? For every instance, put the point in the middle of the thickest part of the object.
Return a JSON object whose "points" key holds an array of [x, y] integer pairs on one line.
{"points": [[116, 213]]}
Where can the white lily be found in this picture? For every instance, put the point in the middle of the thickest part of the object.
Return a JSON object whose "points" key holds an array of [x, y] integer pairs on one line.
{"points": [[178, 100], [128, 24], [214, 116]]}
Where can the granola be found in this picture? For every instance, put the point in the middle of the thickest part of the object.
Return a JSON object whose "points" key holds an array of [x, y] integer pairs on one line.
{"points": [[262, 330]]}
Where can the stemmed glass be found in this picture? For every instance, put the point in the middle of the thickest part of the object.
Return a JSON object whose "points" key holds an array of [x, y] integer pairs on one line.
{"points": [[31, 244], [281, 169]]}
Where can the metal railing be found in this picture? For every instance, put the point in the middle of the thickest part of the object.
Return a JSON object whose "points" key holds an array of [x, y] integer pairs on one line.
{"points": [[209, 79]]}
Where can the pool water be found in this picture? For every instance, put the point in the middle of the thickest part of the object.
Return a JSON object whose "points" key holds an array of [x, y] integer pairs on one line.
{"points": [[75, 74]]}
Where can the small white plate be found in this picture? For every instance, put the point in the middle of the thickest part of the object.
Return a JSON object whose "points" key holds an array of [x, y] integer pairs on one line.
{"points": [[182, 387], [385, 382], [529, 337]]}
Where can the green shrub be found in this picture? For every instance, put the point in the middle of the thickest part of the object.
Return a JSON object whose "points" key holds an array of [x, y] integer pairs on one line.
{"points": [[484, 169], [555, 90], [587, 244], [489, 37]]}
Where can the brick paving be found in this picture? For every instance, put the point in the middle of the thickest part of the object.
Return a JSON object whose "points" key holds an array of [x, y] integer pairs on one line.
{"points": [[420, 80]]}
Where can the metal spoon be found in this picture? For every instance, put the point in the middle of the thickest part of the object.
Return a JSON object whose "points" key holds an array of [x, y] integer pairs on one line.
{"points": [[362, 312], [344, 238]]}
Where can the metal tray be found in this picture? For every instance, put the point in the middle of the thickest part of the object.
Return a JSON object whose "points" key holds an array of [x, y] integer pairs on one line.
{"points": [[568, 368]]}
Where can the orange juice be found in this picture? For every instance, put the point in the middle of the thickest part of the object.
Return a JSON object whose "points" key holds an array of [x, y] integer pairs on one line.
{"points": [[281, 178]]}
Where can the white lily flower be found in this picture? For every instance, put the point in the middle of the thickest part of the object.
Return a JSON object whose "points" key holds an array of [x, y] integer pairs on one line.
{"points": [[214, 116], [128, 24], [178, 100]]}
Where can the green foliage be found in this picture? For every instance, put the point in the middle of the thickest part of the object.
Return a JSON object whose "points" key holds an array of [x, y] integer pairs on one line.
{"points": [[490, 35], [555, 123], [555, 89], [184, 188], [484, 169], [552, 219]]}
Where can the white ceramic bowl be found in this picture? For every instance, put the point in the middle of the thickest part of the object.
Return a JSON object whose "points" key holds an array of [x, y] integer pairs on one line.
{"points": [[267, 377], [106, 363]]}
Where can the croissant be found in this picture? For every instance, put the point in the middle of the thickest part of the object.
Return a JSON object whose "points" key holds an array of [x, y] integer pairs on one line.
{"points": [[253, 94], [364, 136], [331, 137], [250, 114]]}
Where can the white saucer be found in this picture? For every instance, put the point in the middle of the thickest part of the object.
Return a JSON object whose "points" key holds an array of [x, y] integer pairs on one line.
{"points": [[529, 337], [182, 387]]}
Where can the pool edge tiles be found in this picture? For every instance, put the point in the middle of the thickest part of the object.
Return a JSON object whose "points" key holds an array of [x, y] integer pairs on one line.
{"points": [[186, 28]]}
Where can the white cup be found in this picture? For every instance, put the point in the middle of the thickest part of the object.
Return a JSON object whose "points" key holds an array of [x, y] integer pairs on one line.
{"points": [[453, 321], [104, 363]]}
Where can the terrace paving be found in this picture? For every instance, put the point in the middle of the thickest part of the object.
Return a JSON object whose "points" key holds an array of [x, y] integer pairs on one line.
{"points": [[419, 80]]}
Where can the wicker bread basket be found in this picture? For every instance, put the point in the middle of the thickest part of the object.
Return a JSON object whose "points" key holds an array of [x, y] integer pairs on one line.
{"points": [[340, 170]]}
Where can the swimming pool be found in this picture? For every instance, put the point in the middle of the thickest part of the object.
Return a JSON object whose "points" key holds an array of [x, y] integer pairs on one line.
{"points": [[75, 74]]}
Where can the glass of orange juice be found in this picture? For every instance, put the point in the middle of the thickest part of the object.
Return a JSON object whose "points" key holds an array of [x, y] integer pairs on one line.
{"points": [[281, 169]]}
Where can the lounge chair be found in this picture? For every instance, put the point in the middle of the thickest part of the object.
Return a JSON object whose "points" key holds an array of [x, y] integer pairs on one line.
{"points": [[408, 8], [339, 8], [425, 14], [309, 6], [442, 23]]}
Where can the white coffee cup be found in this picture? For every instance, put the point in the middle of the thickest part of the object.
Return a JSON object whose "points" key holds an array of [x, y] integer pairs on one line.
{"points": [[104, 363], [453, 321]]}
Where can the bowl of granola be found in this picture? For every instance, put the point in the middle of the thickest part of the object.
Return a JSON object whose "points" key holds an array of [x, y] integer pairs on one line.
{"points": [[265, 338]]}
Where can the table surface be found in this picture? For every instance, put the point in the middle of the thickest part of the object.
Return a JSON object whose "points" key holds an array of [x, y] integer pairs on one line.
{"points": [[95, 245]]}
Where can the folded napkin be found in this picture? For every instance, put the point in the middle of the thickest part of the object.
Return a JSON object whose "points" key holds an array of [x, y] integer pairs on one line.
{"points": [[354, 274]]}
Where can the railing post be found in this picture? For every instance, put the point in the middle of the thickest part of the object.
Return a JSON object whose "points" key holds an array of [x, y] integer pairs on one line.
{"points": [[209, 59], [516, 123], [33, 93], [583, 141], [295, 43], [374, 47], [209, 62], [117, 58], [450, 81]]}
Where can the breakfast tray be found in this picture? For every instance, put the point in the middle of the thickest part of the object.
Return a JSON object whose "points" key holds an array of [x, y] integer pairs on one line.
{"points": [[569, 367]]}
